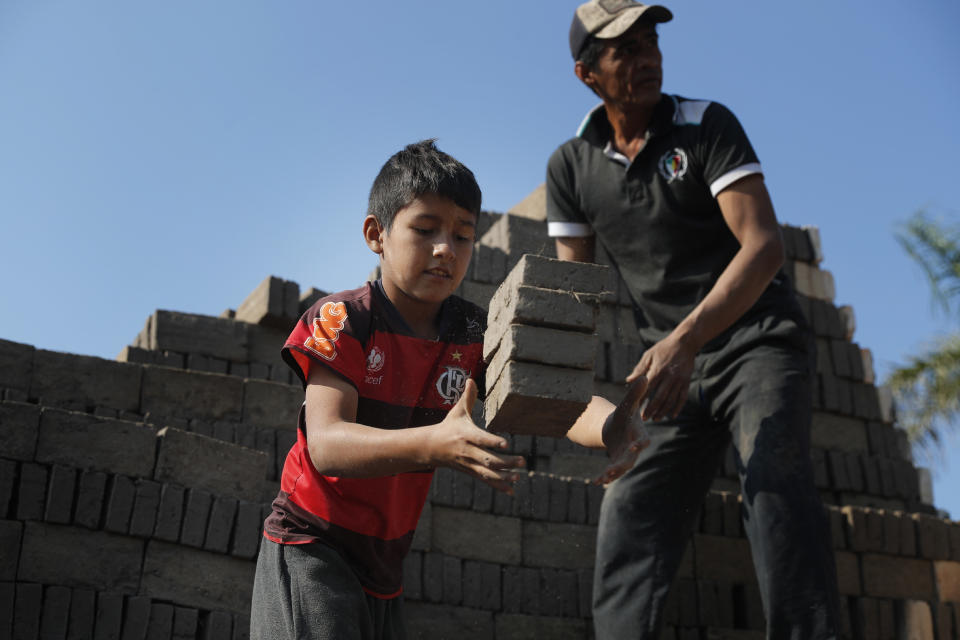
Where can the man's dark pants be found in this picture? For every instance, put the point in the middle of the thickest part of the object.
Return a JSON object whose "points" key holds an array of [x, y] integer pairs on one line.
{"points": [[756, 395]]}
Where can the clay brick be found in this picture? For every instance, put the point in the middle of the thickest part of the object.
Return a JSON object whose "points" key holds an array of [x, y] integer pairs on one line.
{"points": [[82, 614], [476, 536], [220, 525], [120, 496], [26, 614], [577, 502], [109, 617], [947, 575], [452, 580], [271, 404], [854, 471], [10, 535], [723, 559], [19, 424], [56, 612], [178, 574], [8, 477], [462, 490], [841, 363], [541, 307], [161, 622], [873, 522], [866, 402], [216, 625], [16, 365], [63, 481], [433, 577], [561, 546], [87, 442], [914, 577], [953, 537], [196, 461], [185, 623], [871, 475], [90, 494], [513, 626], [274, 303], [932, 540], [482, 497], [594, 501], [549, 273], [481, 585], [246, 536], [444, 621], [538, 399], [521, 590], [539, 496], [855, 525], [542, 345], [836, 462], [63, 378], [32, 491], [190, 394], [877, 438], [195, 517], [109, 561], [908, 485], [8, 593], [558, 593], [946, 626], [915, 620], [559, 498], [136, 618], [413, 576], [267, 444], [170, 513], [848, 573], [423, 534], [146, 503], [838, 433]]}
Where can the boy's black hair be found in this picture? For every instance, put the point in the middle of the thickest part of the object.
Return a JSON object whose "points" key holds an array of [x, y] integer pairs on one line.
{"points": [[420, 169]]}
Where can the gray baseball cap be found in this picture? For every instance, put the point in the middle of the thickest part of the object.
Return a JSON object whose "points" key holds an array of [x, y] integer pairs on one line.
{"points": [[607, 19]]}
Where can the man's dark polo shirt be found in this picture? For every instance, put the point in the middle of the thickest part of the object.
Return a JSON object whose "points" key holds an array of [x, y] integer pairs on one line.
{"points": [[658, 217]]}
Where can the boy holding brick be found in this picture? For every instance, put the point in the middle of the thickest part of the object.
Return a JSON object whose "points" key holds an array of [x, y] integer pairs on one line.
{"points": [[389, 371]]}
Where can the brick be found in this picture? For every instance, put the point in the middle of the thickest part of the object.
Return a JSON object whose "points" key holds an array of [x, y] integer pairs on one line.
{"points": [[946, 626], [855, 525], [433, 577], [594, 501], [184, 623], [452, 570], [423, 534], [195, 517], [947, 574], [482, 497], [848, 573], [481, 585], [915, 620], [8, 593], [220, 525], [87, 442], [426, 620], [854, 471], [271, 404], [274, 303], [81, 614], [521, 590], [136, 618], [838, 433], [90, 498], [561, 546], [109, 561], [476, 536], [413, 576], [914, 577], [550, 273], [908, 485], [513, 626], [109, 617], [170, 513], [63, 482], [190, 394], [86, 381], [723, 559], [16, 365], [540, 307], [19, 424], [161, 622], [246, 535], [932, 539], [539, 496], [56, 612], [178, 574], [537, 399], [732, 519], [196, 461], [267, 444], [841, 363], [558, 593], [462, 490], [544, 345], [120, 496], [866, 402], [145, 506], [216, 625], [8, 478], [32, 491], [577, 502], [11, 533], [26, 614]]}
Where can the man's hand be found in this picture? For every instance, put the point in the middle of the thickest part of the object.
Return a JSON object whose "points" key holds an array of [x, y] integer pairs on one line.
{"points": [[458, 443], [623, 433], [667, 367]]}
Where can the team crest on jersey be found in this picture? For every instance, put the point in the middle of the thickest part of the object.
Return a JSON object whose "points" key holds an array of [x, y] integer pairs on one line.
{"points": [[451, 383], [326, 330], [673, 164], [375, 360]]}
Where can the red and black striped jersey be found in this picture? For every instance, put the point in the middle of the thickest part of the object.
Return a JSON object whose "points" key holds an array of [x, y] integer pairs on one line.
{"points": [[402, 381]]}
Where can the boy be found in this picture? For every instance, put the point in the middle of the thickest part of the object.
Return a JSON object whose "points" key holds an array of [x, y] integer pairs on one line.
{"points": [[389, 372]]}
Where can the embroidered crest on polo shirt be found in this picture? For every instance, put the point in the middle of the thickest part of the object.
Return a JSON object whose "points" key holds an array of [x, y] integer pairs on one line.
{"points": [[375, 360], [326, 330], [673, 164], [451, 383]]}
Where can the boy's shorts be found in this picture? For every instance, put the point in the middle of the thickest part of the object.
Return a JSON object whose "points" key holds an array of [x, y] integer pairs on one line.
{"points": [[308, 591]]}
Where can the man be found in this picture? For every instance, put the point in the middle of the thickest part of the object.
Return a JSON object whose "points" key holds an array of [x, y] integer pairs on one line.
{"points": [[673, 191]]}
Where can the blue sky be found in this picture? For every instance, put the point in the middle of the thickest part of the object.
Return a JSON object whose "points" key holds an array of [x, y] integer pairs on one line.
{"points": [[172, 155]]}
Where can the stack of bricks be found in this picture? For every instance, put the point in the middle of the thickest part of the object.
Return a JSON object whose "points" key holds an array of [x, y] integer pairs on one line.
{"points": [[540, 346]]}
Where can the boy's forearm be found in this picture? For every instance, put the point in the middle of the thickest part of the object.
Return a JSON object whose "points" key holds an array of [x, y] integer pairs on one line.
{"points": [[587, 431], [351, 450]]}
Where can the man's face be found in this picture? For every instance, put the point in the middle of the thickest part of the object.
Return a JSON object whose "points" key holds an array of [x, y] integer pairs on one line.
{"points": [[629, 70]]}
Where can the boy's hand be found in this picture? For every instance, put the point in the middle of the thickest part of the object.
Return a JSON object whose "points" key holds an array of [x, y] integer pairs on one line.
{"points": [[623, 433], [458, 443]]}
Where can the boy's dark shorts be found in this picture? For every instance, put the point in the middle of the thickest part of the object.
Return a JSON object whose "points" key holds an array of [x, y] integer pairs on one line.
{"points": [[307, 591]]}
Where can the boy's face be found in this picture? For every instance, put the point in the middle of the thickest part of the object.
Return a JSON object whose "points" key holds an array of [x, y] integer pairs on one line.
{"points": [[424, 256]]}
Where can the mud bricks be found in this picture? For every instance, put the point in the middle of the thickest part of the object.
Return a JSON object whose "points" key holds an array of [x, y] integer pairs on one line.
{"points": [[540, 345]]}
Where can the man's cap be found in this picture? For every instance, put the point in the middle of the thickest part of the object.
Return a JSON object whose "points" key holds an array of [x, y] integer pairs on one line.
{"points": [[607, 19]]}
